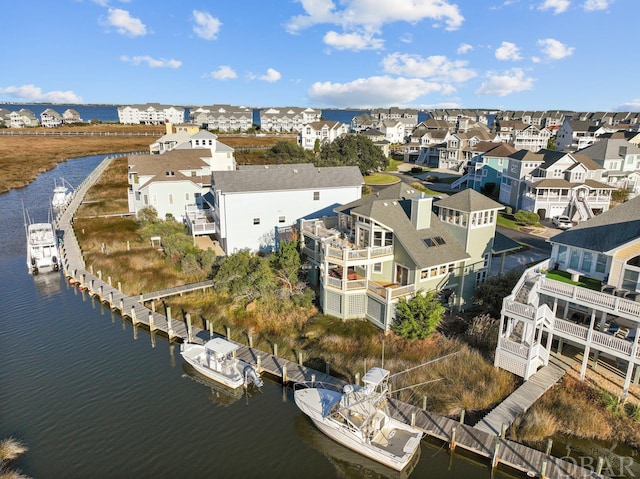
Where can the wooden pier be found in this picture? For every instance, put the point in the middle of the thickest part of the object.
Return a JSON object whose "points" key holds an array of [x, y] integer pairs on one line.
{"points": [[486, 444]]}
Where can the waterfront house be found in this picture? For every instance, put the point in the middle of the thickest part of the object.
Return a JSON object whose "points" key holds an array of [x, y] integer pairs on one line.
{"points": [[322, 132], [576, 134], [249, 204], [224, 118], [71, 116], [22, 118], [150, 114], [169, 182], [584, 299], [5, 118], [552, 183], [50, 118], [395, 243], [287, 119]]}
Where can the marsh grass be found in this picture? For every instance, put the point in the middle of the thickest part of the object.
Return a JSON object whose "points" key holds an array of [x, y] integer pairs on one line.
{"points": [[10, 450]]}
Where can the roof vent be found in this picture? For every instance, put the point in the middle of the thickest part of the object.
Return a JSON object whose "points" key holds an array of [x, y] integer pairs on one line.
{"points": [[295, 170]]}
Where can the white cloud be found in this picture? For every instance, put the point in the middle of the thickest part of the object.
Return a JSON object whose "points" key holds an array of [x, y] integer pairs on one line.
{"points": [[437, 67], [406, 38], [511, 81], [125, 24], [593, 5], [353, 41], [372, 14], [105, 3], [554, 50], [633, 105], [271, 76], [206, 26], [464, 48], [31, 93], [378, 91], [151, 62], [508, 51], [558, 6], [225, 72]]}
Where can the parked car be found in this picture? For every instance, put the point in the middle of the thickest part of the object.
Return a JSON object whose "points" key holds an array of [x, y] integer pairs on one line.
{"points": [[562, 222]]}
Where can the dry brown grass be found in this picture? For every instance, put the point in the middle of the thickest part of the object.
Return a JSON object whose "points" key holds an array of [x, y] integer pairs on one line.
{"points": [[22, 158]]}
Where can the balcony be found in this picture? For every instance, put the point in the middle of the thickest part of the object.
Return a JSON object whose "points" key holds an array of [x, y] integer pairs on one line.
{"points": [[200, 221], [355, 282]]}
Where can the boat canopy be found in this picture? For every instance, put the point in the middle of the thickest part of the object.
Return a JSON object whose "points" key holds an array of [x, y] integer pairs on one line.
{"points": [[220, 346], [375, 376]]}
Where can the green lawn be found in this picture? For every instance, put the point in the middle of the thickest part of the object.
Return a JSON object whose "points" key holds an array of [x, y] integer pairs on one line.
{"points": [[380, 179], [393, 165], [583, 282], [508, 221]]}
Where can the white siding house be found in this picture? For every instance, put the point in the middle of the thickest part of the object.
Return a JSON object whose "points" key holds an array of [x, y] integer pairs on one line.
{"points": [[322, 131], [251, 202], [150, 114]]}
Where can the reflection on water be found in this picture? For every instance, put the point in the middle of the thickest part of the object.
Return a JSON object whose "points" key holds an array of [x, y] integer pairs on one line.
{"points": [[349, 464], [220, 394], [48, 283]]}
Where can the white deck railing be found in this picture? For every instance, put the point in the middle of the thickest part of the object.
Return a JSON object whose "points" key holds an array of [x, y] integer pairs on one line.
{"points": [[514, 347]]}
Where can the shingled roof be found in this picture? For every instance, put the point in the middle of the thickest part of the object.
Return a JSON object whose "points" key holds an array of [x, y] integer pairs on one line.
{"points": [[285, 177], [469, 200], [607, 231]]}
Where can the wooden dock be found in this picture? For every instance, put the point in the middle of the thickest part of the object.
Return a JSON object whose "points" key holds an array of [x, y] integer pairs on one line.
{"points": [[483, 443], [523, 397]]}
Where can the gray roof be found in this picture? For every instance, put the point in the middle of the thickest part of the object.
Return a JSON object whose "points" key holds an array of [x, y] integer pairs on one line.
{"points": [[174, 160], [285, 177], [469, 200], [391, 207], [607, 231], [609, 149]]}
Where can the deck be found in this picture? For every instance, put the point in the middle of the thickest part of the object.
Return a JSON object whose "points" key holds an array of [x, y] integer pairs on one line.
{"points": [[523, 397], [480, 442]]}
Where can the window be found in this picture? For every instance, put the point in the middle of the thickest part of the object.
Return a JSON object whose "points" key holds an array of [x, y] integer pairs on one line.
{"points": [[601, 263], [377, 267], [256, 221], [170, 199], [281, 219], [587, 259], [316, 195], [575, 259], [186, 196], [480, 277]]}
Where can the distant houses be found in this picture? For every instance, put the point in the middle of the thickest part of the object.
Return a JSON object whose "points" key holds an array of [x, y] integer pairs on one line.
{"points": [[150, 114]]}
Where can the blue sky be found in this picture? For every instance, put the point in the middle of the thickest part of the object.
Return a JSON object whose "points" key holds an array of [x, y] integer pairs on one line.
{"points": [[507, 54]]}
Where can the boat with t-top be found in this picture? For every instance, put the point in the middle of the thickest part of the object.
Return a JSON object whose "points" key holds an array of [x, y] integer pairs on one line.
{"points": [[357, 417], [216, 360], [42, 248], [61, 194]]}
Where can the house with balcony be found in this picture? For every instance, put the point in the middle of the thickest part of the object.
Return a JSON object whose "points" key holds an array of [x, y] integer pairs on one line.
{"points": [[575, 135], [50, 118], [22, 118], [552, 183], [171, 183], [620, 160], [396, 243], [584, 300], [487, 166], [150, 114], [321, 132], [70, 116], [224, 118], [287, 119], [252, 202]]}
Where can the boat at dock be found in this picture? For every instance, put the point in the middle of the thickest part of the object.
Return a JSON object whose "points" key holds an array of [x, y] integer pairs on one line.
{"points": [[42, 248], [216, 360], [357, 417], [61, 194]]}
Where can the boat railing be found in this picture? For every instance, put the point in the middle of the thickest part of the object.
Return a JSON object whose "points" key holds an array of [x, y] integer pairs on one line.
{"points": [[318, 384]]}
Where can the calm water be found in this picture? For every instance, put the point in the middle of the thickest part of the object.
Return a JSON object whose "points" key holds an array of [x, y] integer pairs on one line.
{"points": [[93, 398]]}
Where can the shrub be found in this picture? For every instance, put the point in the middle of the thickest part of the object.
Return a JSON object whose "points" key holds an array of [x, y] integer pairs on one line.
{"points": [[527, 217], [418, 317]]}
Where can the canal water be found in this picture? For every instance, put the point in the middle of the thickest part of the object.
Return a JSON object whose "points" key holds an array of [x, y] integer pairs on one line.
{"points": [[93, 397]]}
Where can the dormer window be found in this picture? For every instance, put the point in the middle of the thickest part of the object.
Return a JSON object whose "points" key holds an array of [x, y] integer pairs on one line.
{"points": [[170, 173]]}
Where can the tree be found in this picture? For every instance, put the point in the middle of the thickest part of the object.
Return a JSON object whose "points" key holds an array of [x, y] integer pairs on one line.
{"points": [[244, 276], [418, 317], [489, 294], [353, 150], [289, 152], [620, 195], [286, 262]]}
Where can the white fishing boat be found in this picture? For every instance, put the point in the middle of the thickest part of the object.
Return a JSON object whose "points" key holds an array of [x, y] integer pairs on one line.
{"points": [[61, 194], [357, 417], [42, 248], [216, 360]]}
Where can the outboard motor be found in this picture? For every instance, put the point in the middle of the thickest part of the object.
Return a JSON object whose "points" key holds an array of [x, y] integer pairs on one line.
{"points": [[252, 376]]}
